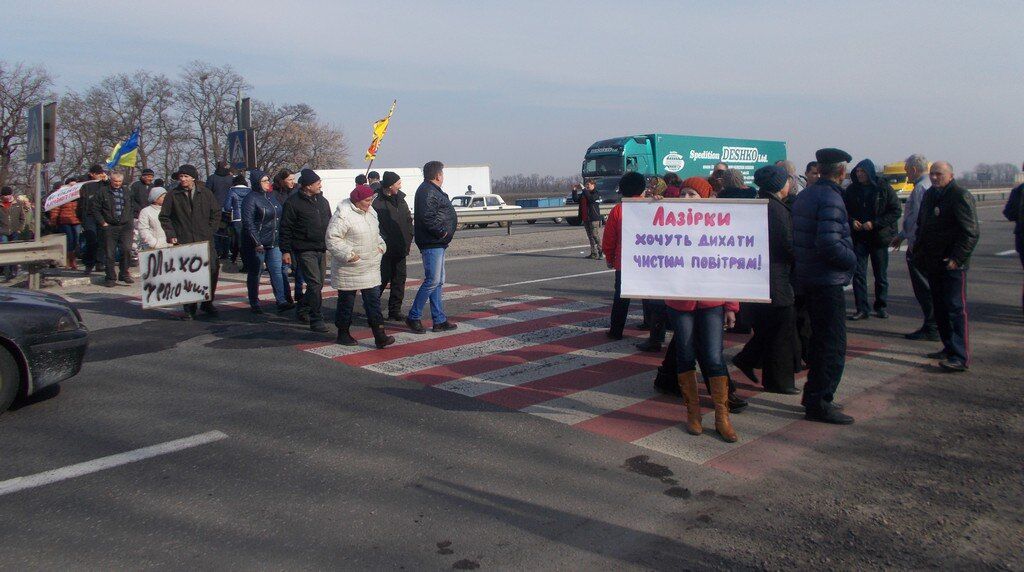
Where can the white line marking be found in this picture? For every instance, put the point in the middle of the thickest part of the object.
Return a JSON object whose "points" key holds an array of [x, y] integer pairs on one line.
{"points": [[513, 253], [553, 278], [104, 463], [1006, 253]]}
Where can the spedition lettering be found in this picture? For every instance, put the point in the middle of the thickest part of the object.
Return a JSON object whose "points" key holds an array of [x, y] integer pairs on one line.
{"points": [[690, 217]]}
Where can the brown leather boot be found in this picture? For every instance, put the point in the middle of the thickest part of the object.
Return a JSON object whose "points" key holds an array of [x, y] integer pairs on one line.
{"points": [[71, 261], [720, 395], [688, 386]]}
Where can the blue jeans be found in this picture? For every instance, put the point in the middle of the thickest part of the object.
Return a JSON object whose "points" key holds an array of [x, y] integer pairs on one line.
{"points": [[254, 263], [698, 339], [72, 232], [433, 281], [949, 297]]}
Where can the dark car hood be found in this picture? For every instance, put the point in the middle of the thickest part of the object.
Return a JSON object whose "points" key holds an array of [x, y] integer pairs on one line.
{"points": [[27, 297]]}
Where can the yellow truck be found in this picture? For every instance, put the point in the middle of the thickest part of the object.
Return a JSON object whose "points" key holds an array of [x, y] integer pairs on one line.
{"points": [[896, 175]]}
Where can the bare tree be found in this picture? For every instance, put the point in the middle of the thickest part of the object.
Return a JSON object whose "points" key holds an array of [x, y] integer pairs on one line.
{"points": [[328, 147], [206, 96], [21, 87], [293, 136]]}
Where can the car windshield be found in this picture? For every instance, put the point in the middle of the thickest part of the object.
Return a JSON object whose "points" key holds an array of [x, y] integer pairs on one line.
{"points": [[602, 165], [460, 201]]}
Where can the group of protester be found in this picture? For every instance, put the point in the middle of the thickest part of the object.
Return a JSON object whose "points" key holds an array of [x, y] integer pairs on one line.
{"points": [[821, 237]]}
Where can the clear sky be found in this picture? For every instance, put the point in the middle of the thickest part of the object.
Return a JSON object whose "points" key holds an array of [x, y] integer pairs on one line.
{"points": [[526, 86]]}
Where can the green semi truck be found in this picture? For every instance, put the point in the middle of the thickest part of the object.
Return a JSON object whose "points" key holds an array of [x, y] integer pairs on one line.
{"points": [[686, 155]]}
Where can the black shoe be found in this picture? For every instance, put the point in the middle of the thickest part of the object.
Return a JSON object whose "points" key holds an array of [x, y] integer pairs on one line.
{"points": [[649, 346], [667, 384], [858, 316], [256, 310], [785, 391], [303, 317], [613, 335], [591, 256], [643, 326], [444, 326], [187, 317], [953, 365], [923, 334], [285, 307], [737, 404], [941, 354], [319, 327], [209, 309], [345, 338], [746, 370], [882, 314], [87, 270], [397, 316], [416, 326], [127, 279], [110, 283], [828, 415]]}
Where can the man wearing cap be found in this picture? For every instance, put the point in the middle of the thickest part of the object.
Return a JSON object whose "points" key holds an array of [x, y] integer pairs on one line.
{"points": [[92, 255], [825, 262], [190, 213], [433, 230], [151, 234], [947, 233], [139, 191], [396, 229], [304, 220]]}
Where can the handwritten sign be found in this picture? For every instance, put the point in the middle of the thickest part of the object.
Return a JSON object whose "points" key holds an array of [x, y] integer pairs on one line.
{"points": [[699, 249], [175, 275], [63, 196]]}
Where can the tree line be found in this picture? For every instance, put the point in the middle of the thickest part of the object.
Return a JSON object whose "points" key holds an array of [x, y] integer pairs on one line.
{"points": [[512, 187], [181, 119]]}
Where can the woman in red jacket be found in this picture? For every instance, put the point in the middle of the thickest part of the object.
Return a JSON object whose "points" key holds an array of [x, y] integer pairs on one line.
{"points": [[700, 327], [65, 219]]}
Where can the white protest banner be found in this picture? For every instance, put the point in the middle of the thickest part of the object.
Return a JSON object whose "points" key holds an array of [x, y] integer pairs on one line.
{"points": [[695, 249], [62, 196], [175, 275]]}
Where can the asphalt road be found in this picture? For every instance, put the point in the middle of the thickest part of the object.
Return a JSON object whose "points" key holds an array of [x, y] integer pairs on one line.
{"points": [[334, 463]]}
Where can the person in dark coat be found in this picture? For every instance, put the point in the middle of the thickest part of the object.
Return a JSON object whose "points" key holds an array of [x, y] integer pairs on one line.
{"points": [[220, 183], [434, 227], [947, 233], [284, 186], [259, 216], [771, 347], [825, 261], [1014, 212], [139, 191], [734, 187], [590, 216], [874, 209], [396, 229], [190, 213], [114, 208], [304, 221], [92, 254]]}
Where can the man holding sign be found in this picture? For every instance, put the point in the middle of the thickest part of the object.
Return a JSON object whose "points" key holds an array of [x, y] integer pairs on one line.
{"points": [[825, 262], [191, 214]]}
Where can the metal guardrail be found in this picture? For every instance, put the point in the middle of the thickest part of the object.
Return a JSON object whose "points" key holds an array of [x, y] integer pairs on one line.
{"points": [[35, 254]]}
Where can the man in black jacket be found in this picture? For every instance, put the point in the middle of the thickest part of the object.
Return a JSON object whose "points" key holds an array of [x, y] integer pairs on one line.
{"points": [[947, 233], [874, 209], [220, 183], [92, 254], [139, 191], [590, 216], [303, 231], [1014, 212], [396, 229], [114, 208], [435, 221], [190, 214]]}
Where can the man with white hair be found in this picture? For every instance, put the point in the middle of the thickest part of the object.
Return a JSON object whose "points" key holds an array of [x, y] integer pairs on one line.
{"points": [[917, 171], [114, 210]]}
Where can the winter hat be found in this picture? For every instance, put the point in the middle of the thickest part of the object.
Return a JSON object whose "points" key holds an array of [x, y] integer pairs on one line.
{"points": [[632, 184], [390, 178], [361, 193], [6, 191], [832, 155], [307, 177], [147, 172], [771, 178], [699, 184], [155, 193], [188, 170]]}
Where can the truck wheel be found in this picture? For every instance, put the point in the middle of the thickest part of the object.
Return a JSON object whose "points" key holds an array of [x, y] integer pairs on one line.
{"points": [[531, 221], [503, 224], [10, 380], [574, 220], [558, 220], [483, 225]]}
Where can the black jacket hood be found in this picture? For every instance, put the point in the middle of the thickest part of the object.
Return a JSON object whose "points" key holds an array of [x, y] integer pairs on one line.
{"points": [[869, 167]]}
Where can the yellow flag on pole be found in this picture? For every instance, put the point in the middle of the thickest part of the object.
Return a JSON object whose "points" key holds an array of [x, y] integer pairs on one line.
{"points": [[380, 127]]}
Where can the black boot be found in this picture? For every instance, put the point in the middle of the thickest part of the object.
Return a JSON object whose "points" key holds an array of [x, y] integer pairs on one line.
{"points": [[381, 338], [666, 383], [345, 338]]}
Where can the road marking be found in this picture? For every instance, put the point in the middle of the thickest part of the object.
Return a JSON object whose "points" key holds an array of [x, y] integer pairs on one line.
{"points": [[553, 278], [104, 463], [1006, 253], [513, 253]]}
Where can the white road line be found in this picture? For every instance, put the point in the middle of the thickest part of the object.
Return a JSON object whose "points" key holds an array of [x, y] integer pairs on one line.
{"points": [[553, 278], [513, 253], [104, 463], [1007, 253]]}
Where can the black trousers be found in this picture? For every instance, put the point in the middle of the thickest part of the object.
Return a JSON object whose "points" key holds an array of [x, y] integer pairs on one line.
{"points": [[393, 273], [113, 237], [314, 270], [922, 292], [371, 305], [91, 252], [879, 258], [620, 308], [771, 346], [656, 318], [801, 332], [826, 306]]}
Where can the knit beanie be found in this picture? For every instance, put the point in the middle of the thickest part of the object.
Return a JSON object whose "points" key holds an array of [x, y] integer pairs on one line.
{"points": [[188, 170], [771, 178], [307, 177], [361, 193], [390, 178], [699, 184], [155, 193], [632, 184]]}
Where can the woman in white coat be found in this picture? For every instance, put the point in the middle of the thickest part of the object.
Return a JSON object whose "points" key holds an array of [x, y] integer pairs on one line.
{"points": [[356, 247], [151, 233]]}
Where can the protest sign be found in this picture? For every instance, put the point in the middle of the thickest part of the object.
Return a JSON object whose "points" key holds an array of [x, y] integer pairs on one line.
{"points": [[175, 275], [707, 249], [62, 196]]}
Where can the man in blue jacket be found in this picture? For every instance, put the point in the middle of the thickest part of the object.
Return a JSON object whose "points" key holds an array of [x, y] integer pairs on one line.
{"points": [[434, 221], [825, 262]]}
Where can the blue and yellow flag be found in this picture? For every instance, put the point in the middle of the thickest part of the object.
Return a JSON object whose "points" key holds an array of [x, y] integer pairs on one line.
{"points": [[125, 154]]}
